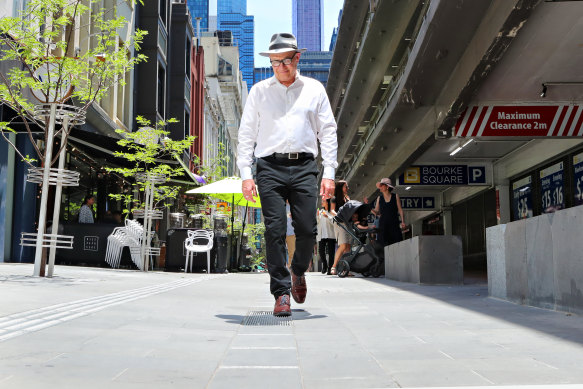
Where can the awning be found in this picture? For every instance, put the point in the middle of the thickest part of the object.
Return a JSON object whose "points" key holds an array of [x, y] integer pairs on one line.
{"points": [[104, 147]]}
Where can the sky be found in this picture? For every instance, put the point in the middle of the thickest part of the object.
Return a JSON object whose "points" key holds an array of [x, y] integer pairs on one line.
{"points": [[275, 16]]}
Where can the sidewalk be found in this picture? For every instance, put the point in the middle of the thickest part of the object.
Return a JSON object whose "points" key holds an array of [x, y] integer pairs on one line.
{"points": [[97, 328]]}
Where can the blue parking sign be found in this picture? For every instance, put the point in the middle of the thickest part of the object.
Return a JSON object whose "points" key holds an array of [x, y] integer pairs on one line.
{"points": [[476, 174]]}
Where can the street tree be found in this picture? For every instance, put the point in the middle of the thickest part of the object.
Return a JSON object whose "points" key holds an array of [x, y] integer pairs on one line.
{"points": [[57, 50], [52, 53]]}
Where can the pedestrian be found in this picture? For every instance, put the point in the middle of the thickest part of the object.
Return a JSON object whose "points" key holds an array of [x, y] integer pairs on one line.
{"points": [[290, 236], [284, 118], [86, 211], [326, 237], [343, 238], [388, 207], [370, 220]]}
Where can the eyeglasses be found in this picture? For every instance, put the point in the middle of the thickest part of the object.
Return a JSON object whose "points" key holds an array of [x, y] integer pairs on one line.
{"points": [[286, 61]]}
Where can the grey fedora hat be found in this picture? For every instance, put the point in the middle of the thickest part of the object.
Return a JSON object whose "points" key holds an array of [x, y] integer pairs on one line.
{"points": [[281, 43]]}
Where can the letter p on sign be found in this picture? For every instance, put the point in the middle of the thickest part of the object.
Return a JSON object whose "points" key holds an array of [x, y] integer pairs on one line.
{"points": [[476, 174]]}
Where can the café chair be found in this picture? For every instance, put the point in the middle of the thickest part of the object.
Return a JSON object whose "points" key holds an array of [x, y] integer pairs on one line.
{"points": [[198, 241]]}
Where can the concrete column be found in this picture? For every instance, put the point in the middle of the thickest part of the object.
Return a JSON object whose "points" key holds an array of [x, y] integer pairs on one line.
{"points": [[503, 203], [447, 222], [417, 227]]}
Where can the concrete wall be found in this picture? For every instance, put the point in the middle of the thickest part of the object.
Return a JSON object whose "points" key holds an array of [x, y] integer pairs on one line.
{"points": [[426, 260], [538, 261]]}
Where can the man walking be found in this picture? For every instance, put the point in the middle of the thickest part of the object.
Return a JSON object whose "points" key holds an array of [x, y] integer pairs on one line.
{"points": [[284, 118]]}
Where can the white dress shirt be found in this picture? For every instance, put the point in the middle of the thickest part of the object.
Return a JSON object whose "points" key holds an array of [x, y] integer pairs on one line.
{"points": [[290, 119]]}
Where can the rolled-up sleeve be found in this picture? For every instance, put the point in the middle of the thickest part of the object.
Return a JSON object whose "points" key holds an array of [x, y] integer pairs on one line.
{"points": [[327, 137], [247, 136]]}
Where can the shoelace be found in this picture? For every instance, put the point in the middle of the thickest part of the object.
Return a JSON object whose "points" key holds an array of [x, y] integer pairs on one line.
{"points": [[284, 300]]}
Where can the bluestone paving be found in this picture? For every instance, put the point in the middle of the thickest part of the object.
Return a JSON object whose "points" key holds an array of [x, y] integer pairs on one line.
{"points": [[96, 328]]}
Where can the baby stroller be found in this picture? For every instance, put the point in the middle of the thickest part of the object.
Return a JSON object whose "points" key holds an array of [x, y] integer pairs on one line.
{"points": [[365, 258]]}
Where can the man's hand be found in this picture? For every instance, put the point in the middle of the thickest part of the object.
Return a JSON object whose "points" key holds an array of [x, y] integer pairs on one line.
{"points": [[327, 188], [249, 190]]}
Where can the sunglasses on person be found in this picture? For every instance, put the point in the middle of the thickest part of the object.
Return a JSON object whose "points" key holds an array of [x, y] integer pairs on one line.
{"points": [[286, 61]]}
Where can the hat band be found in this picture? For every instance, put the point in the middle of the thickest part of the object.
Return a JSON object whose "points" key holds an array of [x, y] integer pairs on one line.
{"points": [[276, 46]]}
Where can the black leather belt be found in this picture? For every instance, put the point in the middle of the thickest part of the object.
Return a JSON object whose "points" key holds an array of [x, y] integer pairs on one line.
{"points": [[291, 156]]}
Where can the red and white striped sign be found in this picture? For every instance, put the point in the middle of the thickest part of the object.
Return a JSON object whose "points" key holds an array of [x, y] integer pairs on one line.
{"points": [[534, 120]]}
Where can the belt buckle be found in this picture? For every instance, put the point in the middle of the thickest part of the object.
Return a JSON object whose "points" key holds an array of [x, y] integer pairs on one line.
{"points": [[293, 155]]}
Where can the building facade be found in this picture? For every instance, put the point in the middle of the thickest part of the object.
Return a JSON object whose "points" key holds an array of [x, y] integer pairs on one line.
{"points": [[226, 92], [308, 23], [232, 16], [199, 9], [185, 96]]}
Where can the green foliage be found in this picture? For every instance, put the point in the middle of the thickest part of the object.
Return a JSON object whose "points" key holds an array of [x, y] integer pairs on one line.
{"points": [[147, 148], [255, 233], [62, 49], [215, 169]]}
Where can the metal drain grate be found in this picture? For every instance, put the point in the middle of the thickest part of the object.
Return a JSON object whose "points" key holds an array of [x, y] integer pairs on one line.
{"points": [[265, 318]]}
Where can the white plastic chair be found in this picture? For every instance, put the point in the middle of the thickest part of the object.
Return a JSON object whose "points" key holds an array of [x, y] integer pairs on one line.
{"points": [[136, 231], [116, 241], [198, 241]]}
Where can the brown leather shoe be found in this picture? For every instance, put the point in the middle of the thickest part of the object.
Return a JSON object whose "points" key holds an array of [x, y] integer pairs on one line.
{"points": [[282, 306], [299, 288]]}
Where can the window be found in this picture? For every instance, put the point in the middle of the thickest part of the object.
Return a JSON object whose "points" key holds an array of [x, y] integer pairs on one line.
{"points": [[161, 90], [162, 11], [187, 59], [225, 68], [186, 123]]}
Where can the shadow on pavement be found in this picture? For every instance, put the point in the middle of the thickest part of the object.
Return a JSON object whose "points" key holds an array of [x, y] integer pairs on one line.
{"points": [[231, 319], [302, 314]]}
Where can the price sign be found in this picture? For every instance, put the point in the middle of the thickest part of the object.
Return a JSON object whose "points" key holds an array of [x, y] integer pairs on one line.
{"points": [[552, 190], [578, 181], [522, 198]]}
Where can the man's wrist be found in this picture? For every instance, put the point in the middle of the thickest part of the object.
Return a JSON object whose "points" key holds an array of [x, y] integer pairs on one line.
{"points": [[329, 172], [246, 173]]}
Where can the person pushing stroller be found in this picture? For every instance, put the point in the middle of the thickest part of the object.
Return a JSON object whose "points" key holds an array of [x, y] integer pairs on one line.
{"points": [[363, 259]]}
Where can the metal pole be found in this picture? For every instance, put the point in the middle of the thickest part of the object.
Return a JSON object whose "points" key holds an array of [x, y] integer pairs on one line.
{"points": [[233, 249], [145, 229], [240, 245], [45, 194], [58, 191], [149, 224]]}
